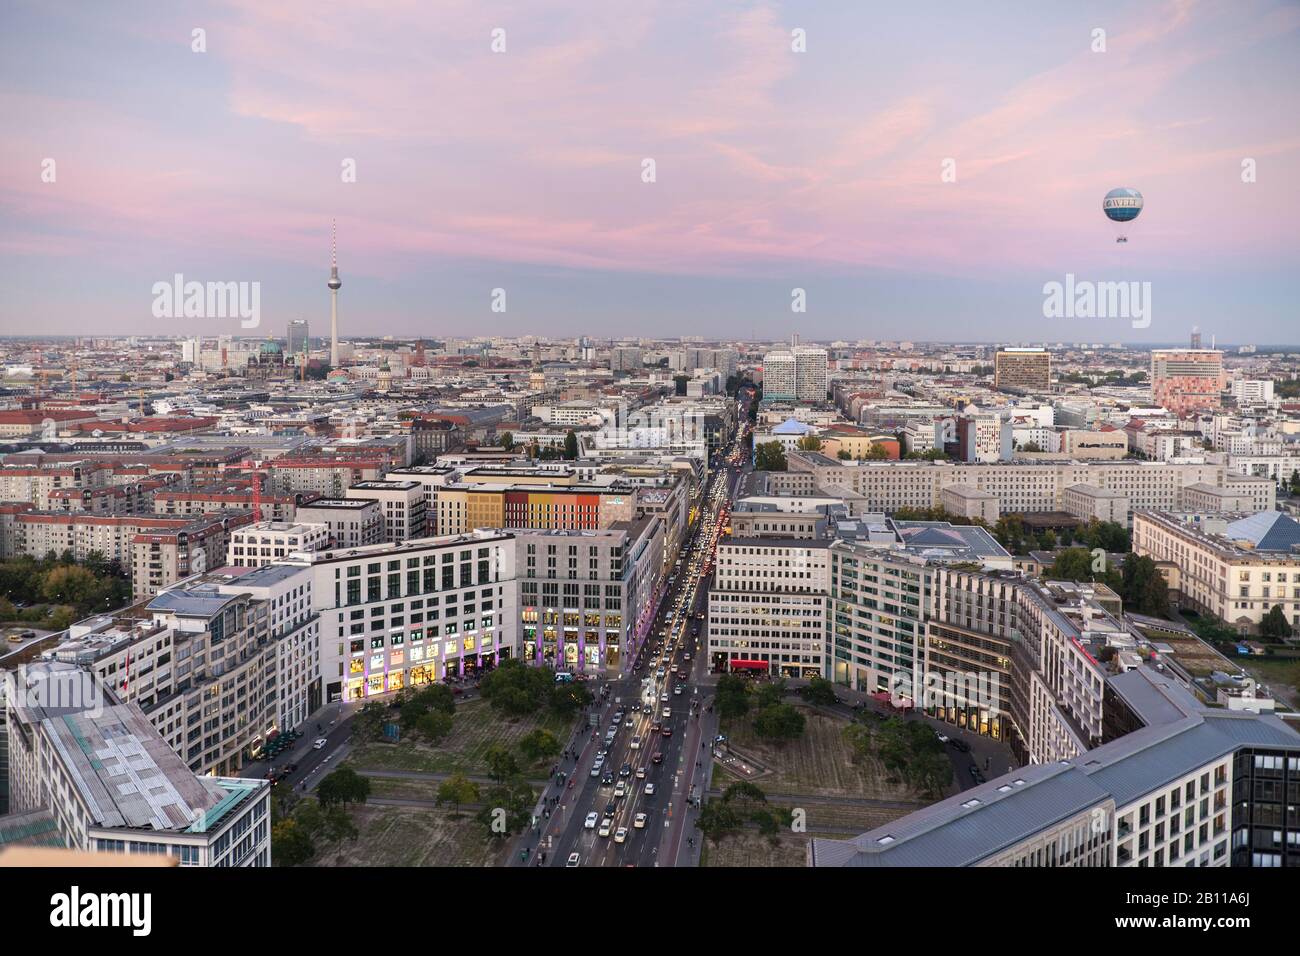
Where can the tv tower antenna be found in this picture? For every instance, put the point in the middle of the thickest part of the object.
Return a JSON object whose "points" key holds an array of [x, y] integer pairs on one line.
{"points": [[334, 284]]}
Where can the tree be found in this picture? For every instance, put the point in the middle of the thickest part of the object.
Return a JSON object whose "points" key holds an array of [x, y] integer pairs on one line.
{"points": [[337, 826], [1142, 586], [717, 820], [819, 691], [516, 689], [290, 844], [370, 720], [779, 722], [434, 725], [1031, 446], [508, 441], [570, 446], [567, 698], [732, 698], [1275, 626], [877, 452], [507, 809], [501, 763], [770, 456], [843, 455], [539, 744], [344, 786], [1072, 564], [457, 790], [809, 443]]}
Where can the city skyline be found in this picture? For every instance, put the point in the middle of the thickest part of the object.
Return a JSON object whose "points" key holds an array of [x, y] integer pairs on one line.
{"points": [[775, 170]]}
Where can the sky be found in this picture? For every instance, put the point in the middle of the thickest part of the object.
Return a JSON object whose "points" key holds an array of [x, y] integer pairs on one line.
{"points": [[921, 171]]}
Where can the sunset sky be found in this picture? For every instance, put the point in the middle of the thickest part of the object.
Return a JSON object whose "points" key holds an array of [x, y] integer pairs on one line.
{"points": [[775, 169]]}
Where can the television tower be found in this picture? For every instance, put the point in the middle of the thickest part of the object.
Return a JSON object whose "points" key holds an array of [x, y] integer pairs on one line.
{"points": [[335, 283]]}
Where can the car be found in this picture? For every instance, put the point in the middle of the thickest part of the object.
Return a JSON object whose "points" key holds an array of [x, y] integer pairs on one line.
{"points": [[667, 731], [959, 745], [647, 709], [595, 771], [620, 835], [663, 698], [654, 727], [610, 808], [592, 819], [686, 657], [606, 825], [602, 754], [649, 789], [620, 791], [640, 773], [639, 821], [636, 743], [657, 758], [625, 770], [319, 744], [573, 860], [607, 780], [667, 712], [943, 738], [677, 691], [974, 772]]}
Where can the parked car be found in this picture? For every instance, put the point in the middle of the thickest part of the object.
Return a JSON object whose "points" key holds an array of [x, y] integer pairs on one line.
{"points": [[319, 744]]}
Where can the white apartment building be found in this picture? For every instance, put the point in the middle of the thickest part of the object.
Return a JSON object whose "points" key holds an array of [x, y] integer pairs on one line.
{"points": [[402, 503], [255, 545], [352, 522]]}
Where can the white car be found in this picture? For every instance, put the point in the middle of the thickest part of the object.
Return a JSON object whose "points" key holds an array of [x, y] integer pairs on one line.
{"points": [[649, 789], [319, 744], [595, 771], [663, 698], [943, 738], [620, 835], [606, 825], [573, 860], [620, 790], [639, 821], [636, 743], [677, 691], [640, 773], [668, 712], [592, 819]]}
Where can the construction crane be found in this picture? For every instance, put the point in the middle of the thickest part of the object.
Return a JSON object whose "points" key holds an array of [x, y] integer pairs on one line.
{"points": [[256, 467]]}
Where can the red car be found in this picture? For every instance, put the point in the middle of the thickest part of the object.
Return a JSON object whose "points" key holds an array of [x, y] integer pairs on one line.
{"points": [[667, 731], [658, 758]]}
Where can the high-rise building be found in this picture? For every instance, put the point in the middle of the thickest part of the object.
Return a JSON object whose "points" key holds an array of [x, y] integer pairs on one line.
{"points": [[1027, 369], [797, 374], [625, 359], [1186, 380], [296, 340]]}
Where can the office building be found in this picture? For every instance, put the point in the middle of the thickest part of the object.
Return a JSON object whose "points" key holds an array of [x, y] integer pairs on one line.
{"points": [[1023, 369], [1186, 381]]}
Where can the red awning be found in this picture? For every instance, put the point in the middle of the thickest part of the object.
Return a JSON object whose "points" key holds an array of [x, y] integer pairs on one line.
{"points": [[748, 665], [882, 696]]}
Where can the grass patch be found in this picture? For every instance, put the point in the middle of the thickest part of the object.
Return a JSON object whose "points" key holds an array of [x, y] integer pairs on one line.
{"points": [[819, 763], [409, 836]]}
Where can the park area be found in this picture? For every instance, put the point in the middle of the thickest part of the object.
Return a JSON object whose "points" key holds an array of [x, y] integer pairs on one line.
{"points": [[475, 728]]}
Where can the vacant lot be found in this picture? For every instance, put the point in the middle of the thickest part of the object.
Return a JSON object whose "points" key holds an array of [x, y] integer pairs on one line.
{"points": [[1281, 675], [476, 728], [750, 849], [820, 763], [404, 836]]}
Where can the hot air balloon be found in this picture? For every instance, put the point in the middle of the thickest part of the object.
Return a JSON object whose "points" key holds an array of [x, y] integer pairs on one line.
{"points": [[1121, 207]]}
